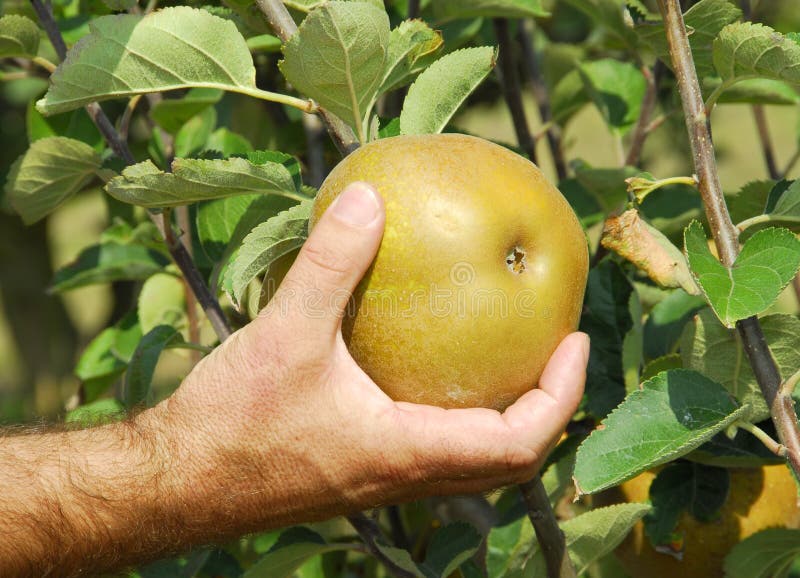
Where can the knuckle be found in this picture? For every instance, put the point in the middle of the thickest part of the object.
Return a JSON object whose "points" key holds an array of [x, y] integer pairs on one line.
{"points": [[518, 459], [327, 259]]}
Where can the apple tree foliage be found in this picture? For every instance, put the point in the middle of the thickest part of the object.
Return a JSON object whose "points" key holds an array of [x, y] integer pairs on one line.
{"points": [[219, 114]]}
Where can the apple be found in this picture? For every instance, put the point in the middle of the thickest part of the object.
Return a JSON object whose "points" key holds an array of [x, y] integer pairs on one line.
{"points": [[480, 273]]}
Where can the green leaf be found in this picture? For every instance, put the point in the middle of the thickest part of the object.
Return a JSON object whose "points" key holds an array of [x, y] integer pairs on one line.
{"points": [[264, 43], [568, 97], [659, 364], [607, 320], [228, 143], [106, 357], [606, 184], [193, 180], [75, 125], [684, 486], [172, 113], [443, 87], [592, 535], [614, 18], [107, 262], [557, 477], [782, 207], [666, 321], [705, 20], [268, 241], [162, 301], [19, 37], [294, 547], [139, 377], [444, 10], [617, 89], [765, 554], [402, 559], [172, 48], [51, 170], [754, 91], [674, 413], [412, 46], [586, 205], [222, 224], [192, 136], [508, 548], [338, 58], [747, 50], [450, 546], [768, 261], [710, 348], [750, 200]]}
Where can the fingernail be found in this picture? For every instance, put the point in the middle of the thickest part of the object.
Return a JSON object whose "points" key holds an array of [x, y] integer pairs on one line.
{"points": [[357, 204], [586, 348]]}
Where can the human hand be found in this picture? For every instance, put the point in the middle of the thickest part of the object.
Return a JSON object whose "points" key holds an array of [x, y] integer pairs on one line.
{"points": [[279, 425]]}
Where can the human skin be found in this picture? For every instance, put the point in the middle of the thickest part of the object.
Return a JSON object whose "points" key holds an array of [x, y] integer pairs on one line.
{"points": [[277, 426]]}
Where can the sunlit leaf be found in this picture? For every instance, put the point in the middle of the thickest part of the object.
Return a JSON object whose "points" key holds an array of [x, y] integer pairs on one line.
{"points": [[768, 261], [672, 414], [193, 180], [443, 87], [338, 58], [172, 48], [282, 233], [749, 50]]}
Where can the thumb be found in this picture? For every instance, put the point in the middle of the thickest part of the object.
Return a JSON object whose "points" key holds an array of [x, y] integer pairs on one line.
{"points": [[334, 258]]}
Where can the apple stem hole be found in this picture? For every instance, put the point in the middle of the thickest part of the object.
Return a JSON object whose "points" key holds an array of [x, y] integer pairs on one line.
{"points": [[515, 261]]}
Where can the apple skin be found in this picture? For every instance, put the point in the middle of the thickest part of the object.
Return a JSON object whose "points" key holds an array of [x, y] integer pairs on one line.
{"points": [[441, 317]]}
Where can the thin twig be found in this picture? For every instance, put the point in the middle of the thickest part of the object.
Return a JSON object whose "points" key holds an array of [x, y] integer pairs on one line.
{"points": [[185, 226], [509, 81], [127, 115], [284, 26], [413, 9], [550, 537], [790, 164], [176, 249], [724, 233], [315, 149], [398, 530], [766, 142], [640, 132], [542, 99], [372, 535]]}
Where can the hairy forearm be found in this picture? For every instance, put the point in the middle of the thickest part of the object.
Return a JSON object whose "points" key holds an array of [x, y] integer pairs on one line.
{"points": [[85, 500]]}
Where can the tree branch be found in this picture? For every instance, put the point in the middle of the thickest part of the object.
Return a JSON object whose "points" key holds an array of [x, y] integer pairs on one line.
{"points": [[724, 233], [542, 99], [176, 249], [640, 131], [283, 25], [509, 81], [766, 142], [550, 537]]}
